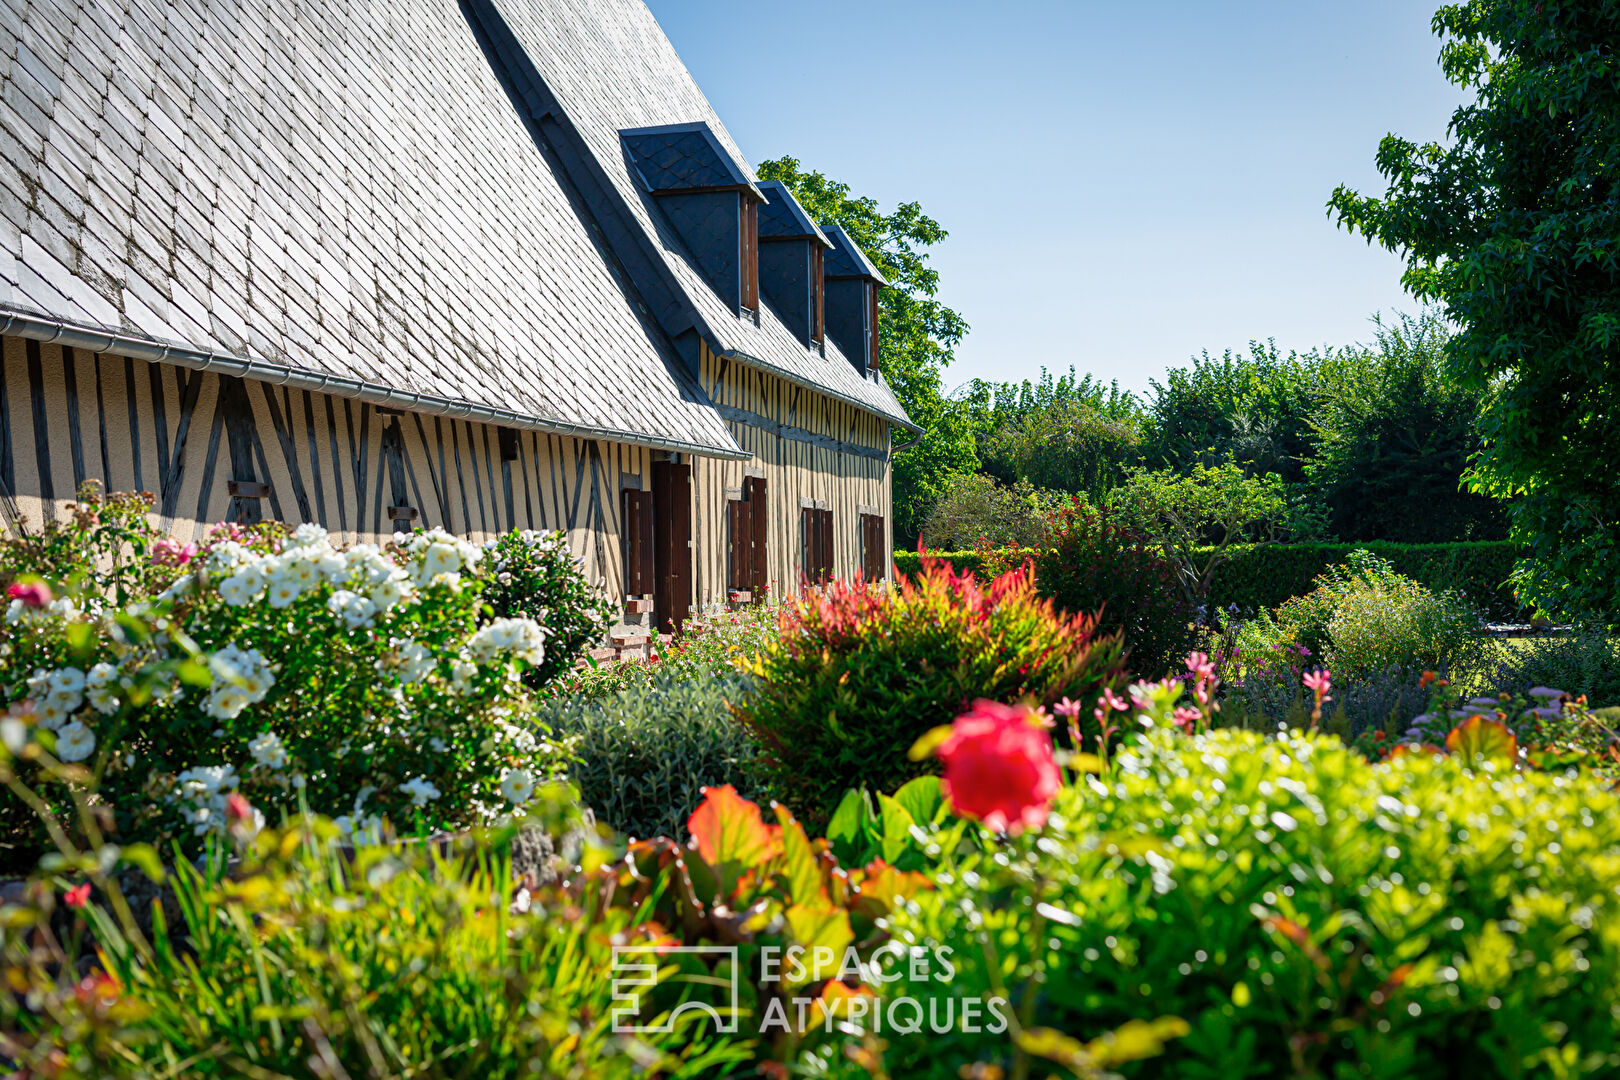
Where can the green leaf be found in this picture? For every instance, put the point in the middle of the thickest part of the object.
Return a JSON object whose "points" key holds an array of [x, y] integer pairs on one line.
{"points": [[897, 823], [922, 799], [805, 884], [846, 832]]}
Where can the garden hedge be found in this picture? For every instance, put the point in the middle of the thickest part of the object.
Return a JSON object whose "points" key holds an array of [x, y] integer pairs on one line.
{"points": [[1265, 575]]}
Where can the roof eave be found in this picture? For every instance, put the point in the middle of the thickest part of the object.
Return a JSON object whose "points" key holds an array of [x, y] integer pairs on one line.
{"points": [[22, 323]]}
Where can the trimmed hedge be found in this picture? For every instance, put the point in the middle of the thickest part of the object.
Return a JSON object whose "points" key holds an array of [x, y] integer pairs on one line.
{"points": [[1265, 575]]}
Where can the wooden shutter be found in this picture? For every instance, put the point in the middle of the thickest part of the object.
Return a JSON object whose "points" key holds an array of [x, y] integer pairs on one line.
{"points": [[818, 306], [759, 522], [821, 524], [739, 543], [638, 543], [750, 253], [872, 314], [874, 559], [672, 546]]}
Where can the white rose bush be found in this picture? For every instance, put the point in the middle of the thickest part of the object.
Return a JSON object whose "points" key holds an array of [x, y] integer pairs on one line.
{"points": [[367, 684]]}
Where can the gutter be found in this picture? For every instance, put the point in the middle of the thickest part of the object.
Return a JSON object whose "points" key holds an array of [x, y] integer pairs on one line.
{"points": [[48, 329]]}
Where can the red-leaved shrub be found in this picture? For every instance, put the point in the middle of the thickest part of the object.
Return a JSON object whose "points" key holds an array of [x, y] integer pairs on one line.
{"points": [[859, 674]]}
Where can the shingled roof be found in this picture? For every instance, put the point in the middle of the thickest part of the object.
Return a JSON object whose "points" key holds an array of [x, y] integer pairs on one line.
{"points": [[570, 44], [340, 194]]}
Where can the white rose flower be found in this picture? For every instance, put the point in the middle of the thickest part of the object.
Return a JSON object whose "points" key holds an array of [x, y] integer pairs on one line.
{"points": [[308, 534], [421, 791], [416, 662], [282, 592], [332, 567], [67, 681], [522, 637], [104, 701], [101, 675], [517, 786], [182, 585], [75, 742], [241, 587], [461, 675], [268, 751]]}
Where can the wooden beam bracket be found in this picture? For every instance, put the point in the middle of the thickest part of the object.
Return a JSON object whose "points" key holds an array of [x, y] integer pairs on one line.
{"points": [[402, 513], [247, 489]]}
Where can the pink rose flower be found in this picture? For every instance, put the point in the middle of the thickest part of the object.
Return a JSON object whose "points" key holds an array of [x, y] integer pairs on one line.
{"points": [[999, 766], [36, 595]]}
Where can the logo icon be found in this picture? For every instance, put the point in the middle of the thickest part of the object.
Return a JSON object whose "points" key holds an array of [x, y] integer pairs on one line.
{"points": [[635, 971]]}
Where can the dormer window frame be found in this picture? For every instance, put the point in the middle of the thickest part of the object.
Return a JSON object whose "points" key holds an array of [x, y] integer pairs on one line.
{"points": [[818, 296]]}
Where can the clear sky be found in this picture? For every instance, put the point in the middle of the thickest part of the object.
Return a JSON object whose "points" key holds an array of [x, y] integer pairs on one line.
{"points": [[1125, 184]]}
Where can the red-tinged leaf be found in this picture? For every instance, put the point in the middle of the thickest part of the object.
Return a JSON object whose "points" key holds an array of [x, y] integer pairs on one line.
{"points": [[730, 834], [825, 934], [1289, 929], [833, 1002], [804, 879], [884, 883], [1417, 748], [1558, 757], [1478, 739]]}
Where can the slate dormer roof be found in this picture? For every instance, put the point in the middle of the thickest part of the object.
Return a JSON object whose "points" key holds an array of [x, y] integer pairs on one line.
{"points": [[782, 218], [678, 157], [336, 193], [846, 259], [604, 66]]}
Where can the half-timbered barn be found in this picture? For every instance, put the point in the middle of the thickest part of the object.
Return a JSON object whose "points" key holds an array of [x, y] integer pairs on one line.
{"points": [[485, 265]]}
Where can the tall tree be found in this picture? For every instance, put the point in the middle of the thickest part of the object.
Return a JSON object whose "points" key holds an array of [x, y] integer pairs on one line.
{"points": [[1515, 229], [916, 331]]}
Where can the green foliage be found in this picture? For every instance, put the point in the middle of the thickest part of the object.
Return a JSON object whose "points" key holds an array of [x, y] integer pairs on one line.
{"points": [[1069, 434], [105, 545], [860, 674], [643, 755], [1254, 410], [1198, 515], [1393, 435], [711, 644], [1586, 662], [975, 509], [1256, 578], [917, 333], [1512, 228], [362, 683], [1363, 617], [1305, 912], [537, 576], [1093, 564], [400, 961]]}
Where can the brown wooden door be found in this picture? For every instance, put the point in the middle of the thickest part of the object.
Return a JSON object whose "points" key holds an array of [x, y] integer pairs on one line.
{"points": [[874, 557], [672, 546]]}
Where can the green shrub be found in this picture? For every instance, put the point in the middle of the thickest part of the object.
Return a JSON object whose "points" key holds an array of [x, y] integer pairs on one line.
{"points": [[1585, 662], [908, 563], [974, 509], [1305, 912], [1259, 577], [1363, 618], [1092, 564], [360, 683], [401, 961], [859, 674], [643, 755], [710, 644], [536, 575]]}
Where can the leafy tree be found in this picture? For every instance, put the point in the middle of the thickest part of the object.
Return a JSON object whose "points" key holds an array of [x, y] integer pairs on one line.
{"points": [[1252, 409], [916, 331], [975, 510], [1196, 516], [1515, 229], [1073, 433], [1393, 434]]}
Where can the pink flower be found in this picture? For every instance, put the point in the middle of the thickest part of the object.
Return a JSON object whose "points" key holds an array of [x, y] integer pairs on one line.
{"points": [[77, 896], [1070, 709], [1187, 718], [1200, 667], [999, 766], [171, 552], [1319, 682], [36, 595]]}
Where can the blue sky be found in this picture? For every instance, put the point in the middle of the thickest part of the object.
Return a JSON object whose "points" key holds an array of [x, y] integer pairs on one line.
{"points": [[1125, 184]]}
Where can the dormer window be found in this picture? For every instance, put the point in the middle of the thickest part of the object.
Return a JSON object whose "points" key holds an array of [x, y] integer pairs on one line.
{"points": [[852, 285], [792, 264], [709, 201]]}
